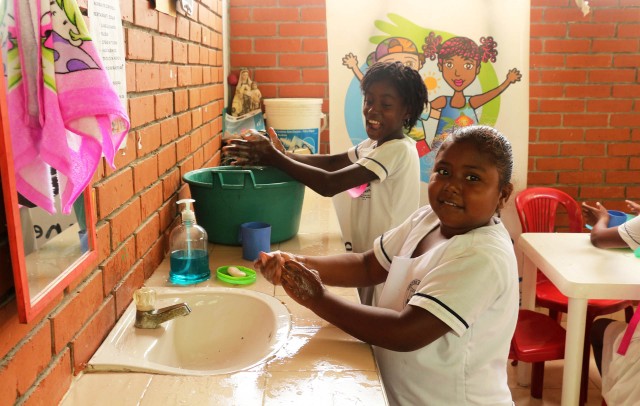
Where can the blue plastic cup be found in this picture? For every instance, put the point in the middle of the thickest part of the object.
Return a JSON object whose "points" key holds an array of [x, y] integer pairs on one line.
{"points": [[616, 218], [254, 237]]}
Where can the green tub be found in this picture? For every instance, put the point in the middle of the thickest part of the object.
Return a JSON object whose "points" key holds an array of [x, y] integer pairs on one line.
{"points": [[227, 196]]}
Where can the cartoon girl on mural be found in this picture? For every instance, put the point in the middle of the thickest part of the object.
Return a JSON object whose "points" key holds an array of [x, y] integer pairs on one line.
{"points": [[396, 49], [459, 61]]}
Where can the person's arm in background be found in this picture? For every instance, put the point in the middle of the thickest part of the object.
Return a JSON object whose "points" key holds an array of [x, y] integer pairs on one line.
{"points": [[601, 235]]}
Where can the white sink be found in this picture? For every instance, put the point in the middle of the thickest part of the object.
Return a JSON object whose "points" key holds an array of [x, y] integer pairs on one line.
{"points": [[228, 330]]}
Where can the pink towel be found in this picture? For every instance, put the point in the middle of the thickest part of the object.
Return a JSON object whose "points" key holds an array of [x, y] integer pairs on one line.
{"points": [[64, 112]]}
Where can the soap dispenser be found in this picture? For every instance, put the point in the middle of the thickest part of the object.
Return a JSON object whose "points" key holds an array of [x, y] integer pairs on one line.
{"points": [[188, 247]]}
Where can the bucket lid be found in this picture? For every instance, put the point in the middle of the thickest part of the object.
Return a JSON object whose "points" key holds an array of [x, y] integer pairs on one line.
{"points": [[289, 102]]}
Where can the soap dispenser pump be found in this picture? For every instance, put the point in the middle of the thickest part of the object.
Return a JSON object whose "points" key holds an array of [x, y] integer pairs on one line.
{"points": [[188, 246]]}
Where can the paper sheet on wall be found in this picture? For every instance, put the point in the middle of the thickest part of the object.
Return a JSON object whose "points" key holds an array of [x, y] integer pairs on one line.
{"points": [[105, 24]]}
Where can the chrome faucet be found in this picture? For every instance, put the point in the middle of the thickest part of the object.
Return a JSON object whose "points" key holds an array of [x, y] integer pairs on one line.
{"points": [[149, 317]]}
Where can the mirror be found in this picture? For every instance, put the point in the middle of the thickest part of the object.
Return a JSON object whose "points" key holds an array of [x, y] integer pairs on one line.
{"points": [[47, 251]]}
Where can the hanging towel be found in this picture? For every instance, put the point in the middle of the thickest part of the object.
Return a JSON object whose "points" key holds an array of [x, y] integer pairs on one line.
{"points": [[64, 111]]}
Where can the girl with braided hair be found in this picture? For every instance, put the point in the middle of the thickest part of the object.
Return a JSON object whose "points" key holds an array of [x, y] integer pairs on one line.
{"points": [[459, 60]]}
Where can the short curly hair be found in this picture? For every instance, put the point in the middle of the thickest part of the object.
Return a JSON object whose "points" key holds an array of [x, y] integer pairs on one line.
{"points": [[407, 81]]}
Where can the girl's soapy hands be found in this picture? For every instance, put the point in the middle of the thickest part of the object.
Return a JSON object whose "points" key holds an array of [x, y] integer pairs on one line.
{"points": [[253, 148], [271, 264], [593, 215], [300, 283], [633, 207], [273, 136]]}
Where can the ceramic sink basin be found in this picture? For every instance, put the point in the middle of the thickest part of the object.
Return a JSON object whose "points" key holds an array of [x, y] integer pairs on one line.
{"points": [[228, 330]]}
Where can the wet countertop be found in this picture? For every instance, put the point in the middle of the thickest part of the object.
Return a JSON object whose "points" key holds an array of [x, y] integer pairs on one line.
{"points": [[319, 365]]}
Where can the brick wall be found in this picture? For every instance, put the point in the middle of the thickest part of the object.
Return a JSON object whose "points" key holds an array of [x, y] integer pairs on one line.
{"points": [[584, 110], [584, 119], [283, 43], [175, 94]]}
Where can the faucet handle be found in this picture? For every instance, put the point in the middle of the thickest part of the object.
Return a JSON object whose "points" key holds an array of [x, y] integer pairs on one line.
{"points": [[145, 299]]}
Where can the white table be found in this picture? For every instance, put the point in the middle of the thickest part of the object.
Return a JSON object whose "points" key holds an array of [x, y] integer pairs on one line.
{"points": [[581, 272]]}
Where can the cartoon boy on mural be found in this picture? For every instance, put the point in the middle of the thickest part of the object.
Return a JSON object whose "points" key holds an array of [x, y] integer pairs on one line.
{"points": [[396, 49], [459, 61]]}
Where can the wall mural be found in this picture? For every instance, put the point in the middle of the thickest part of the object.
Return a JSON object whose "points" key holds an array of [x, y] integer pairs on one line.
{"points": [[472, 55]]}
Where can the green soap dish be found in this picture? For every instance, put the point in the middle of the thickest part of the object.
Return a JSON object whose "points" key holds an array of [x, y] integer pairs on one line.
{"points": [[224, 276]]}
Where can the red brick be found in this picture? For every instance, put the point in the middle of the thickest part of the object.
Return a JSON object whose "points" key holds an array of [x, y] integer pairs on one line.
{"points": [[184, 123], [624, 120], [144, 15], [184, 76], [587, 192], [182, 27], [624, 177], [114, 192], [147, 234], [103, 238], [166, 24], [148, 76], [585, 120], [162, 49], [588, 90], [588, 61], [624, 149], [181, 100], [612, 75], [166, 158], [314, 45], [124, 221], [195, 31], [607, 134], [123, 293], [591, 30], [566, 105], [561, 135], [627, 90], [141, 110], [581, 150], [626, 61], [546, 91], [580, 177], [563, 76], [597, 163], [92, 335], [170, 183], [164, 104], [253, 30], [139, 44], [154, 257], [548, 30], [615, 45], [117, 265], [557, 164], [79, 306], [169, 130], [54, 384], [616, 15], [568, 46], [151, 200], [628, 30], [30, 359], [126, 10], [148, 140]]}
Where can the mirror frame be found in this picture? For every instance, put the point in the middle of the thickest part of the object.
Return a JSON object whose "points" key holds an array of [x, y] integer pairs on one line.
{"points": [[30, 307]]}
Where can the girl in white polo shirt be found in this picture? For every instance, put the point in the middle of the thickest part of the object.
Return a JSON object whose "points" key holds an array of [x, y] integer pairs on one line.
{"points": [[616, 345], [442, 326]]}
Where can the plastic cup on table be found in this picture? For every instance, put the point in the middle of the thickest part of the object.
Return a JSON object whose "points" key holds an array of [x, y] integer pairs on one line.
{"points": [[254, 236], [616, 218]]}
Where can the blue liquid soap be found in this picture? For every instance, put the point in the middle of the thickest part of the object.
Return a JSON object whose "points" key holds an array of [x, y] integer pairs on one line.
{"points": [[189, 268], [189, 257]]}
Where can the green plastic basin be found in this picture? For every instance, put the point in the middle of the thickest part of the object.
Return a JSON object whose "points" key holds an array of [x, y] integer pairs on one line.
{"points": [[227, 196]]}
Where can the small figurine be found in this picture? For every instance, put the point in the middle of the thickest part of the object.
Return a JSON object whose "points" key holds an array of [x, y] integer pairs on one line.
{"points": [[247, 97]]}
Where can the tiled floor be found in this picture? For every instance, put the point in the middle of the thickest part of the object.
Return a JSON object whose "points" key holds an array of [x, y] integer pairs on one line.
{"points": [[552, 393]]}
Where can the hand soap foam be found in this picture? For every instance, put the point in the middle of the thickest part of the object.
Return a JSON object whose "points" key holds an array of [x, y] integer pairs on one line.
{"points": [[188, 247]]}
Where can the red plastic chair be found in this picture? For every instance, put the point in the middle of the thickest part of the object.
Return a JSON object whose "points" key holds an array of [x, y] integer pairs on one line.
{"points": [[537, 209], [538, 338]]}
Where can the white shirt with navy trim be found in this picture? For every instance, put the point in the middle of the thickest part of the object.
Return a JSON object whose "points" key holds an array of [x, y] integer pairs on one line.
{"points": [[470, 282], [390, 199]]}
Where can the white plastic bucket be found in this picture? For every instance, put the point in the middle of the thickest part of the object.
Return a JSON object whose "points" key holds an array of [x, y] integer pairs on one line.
{"points": [[298, 122]]}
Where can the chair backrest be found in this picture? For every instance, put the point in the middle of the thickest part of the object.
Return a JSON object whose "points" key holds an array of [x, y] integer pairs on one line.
{"points": [[537, 208]]}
